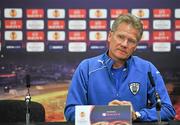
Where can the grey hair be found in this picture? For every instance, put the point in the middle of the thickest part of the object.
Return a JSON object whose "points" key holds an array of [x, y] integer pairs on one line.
{"points": [[129, 19]]}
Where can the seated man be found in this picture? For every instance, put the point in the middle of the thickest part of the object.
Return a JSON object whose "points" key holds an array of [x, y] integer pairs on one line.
{"points": [[119, 78]]}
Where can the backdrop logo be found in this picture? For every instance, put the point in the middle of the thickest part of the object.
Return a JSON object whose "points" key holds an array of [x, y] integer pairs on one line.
{"points": [[161, 13], [56, 13], [77, 13], [141, 13], [162, 36], [35, 13], [98, 35], [145, 24], [97, 24], [35, 35], [13, 13], [13, 24], [98, 13], [77, 35], [56, 24], [162, 24], [116, 12], [35, 24], [13, 35], [56, 35]]}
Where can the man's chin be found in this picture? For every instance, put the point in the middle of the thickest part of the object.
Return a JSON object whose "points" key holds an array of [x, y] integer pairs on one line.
{"points": [[122, 58]]}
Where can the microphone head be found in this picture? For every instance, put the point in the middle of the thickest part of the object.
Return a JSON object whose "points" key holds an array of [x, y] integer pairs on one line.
{"points": [[151, 79], [28, 79]]}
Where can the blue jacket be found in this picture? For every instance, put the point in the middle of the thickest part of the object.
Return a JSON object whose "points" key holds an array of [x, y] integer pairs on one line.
{"points": [[93, 84]]}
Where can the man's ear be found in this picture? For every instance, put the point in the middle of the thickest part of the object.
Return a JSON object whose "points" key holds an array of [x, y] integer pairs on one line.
{"points": [[135, 48], [109, 36]]}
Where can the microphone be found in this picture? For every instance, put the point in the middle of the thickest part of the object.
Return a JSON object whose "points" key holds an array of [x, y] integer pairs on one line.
{"points": [[28, 99], [151, 79], [158, 99], [28, 80]]}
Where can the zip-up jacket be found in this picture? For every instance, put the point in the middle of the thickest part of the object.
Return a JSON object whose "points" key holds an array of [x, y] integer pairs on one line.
{"points": [[93, 84]]}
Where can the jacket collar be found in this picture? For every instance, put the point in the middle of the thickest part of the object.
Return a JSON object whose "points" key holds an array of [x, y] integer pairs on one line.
{"points": [[109, 62]]}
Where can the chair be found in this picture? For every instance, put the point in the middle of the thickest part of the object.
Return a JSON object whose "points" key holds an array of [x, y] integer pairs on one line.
{"points": [[12, 111]]}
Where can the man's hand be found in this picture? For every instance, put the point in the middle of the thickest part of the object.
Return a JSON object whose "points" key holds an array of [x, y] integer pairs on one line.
{"points": [[134, 116], [117, 103]]}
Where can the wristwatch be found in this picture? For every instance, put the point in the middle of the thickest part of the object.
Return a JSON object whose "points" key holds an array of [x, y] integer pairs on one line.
{"points": [[138, 115]]}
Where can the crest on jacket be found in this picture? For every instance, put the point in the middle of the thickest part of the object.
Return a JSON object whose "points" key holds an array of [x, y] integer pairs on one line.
{"points": [[134, 87]]}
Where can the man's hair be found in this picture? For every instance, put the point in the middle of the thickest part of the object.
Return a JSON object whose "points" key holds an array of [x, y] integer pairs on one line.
{"points": [[129, 19]]}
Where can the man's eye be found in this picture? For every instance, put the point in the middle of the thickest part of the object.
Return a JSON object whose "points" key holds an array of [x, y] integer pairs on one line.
{"points": [[132, 41], [121, 37]]}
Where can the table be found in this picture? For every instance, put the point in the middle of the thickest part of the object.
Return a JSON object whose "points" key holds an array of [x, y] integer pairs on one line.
{"points": [[68, 123]]}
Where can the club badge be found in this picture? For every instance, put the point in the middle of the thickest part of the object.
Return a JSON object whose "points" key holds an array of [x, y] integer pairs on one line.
{"points": [[134, 87]]}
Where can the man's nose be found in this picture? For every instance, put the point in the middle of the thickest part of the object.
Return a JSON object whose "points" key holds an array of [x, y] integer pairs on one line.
{"points": [[125, 42]]}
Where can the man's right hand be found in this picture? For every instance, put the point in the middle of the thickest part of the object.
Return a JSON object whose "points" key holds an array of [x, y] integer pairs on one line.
{"points": [[117, 103]]}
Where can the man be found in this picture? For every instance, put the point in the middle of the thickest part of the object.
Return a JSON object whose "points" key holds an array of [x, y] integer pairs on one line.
{"points": [[118, 78]]}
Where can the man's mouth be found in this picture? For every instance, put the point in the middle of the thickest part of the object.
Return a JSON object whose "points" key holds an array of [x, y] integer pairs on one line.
{"points": [[122, 51]]}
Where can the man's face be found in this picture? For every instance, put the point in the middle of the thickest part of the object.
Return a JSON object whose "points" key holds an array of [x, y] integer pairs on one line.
{"points": [[122, 42]]}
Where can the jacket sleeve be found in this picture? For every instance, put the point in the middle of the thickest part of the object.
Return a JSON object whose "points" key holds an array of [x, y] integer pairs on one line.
{"points": [[77, 93], [167, 111]]}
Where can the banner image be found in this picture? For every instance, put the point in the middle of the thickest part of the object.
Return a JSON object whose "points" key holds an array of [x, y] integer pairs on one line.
{"points": [[48, 39]]}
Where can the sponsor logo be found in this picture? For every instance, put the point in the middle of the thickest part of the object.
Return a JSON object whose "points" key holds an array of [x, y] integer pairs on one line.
{"points": [[98, 13], [98, 35], [97, 24], [161, 13], [35, 24], [177, 24], [114, 13], [142, 47], [12, 47], [13, 24], [141, 13], [35, 35], [97, 47], [177, 46], [177, 13], [162, 36], [35, 47], [77, 47], [13, 35], [145, 36], [56, 47], [77, 35], [77, 13], [161, 24], [145, 24], [177, 35], [56, 13], [35, 13], [56, 24], [77, 24], [161, 46], [111, 23], [56, 35], [13, 13]]}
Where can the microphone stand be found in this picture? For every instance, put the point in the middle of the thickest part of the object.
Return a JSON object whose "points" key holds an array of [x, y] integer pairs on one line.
{"points": [[28, 100], [158, 99], [158, 107]]}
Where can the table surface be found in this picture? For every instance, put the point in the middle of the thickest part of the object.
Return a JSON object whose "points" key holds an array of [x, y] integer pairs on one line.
{"points": [[68, 123]]}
